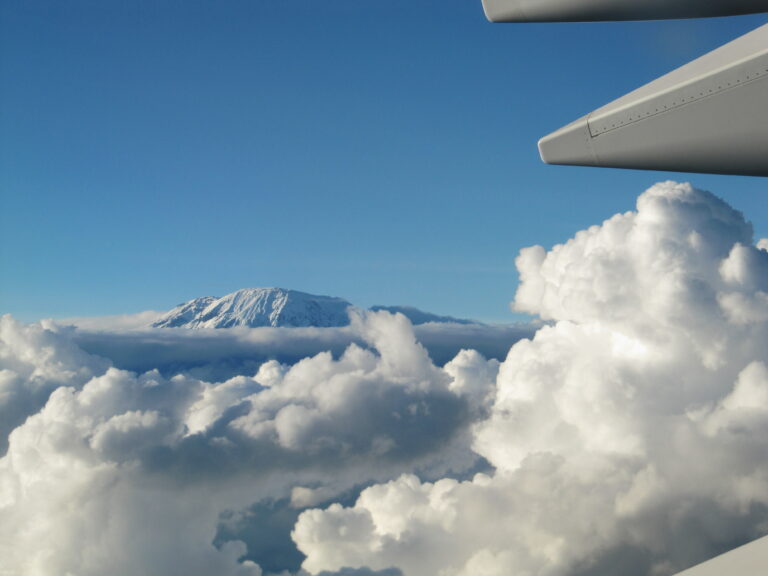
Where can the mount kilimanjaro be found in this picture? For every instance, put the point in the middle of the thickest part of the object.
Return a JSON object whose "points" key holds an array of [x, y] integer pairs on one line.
{"points": [[256, 307]]}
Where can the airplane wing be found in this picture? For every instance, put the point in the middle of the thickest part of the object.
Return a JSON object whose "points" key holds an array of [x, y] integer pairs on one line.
{"points": [[748, 560], [710, 115], [596, 10]]}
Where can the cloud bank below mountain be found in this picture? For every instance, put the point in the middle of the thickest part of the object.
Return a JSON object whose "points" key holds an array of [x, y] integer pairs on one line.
{"points": [[627, 435], [221, 354]]}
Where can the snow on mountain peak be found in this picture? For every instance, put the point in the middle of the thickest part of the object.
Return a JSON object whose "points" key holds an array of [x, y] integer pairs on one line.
{"points": [[254, 307]]}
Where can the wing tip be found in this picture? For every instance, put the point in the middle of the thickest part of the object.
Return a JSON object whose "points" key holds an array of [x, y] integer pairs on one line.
{"points": [[570, 145]]}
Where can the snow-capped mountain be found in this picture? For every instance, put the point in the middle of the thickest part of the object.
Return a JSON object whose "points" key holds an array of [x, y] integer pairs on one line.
{"points": [[185, 314], [254, 307]]}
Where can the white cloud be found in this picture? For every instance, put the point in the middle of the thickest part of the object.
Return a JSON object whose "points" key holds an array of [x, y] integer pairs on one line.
{"points": [[34, 361], [597, 446], [611, 431], [217, 355], [126, 473]]}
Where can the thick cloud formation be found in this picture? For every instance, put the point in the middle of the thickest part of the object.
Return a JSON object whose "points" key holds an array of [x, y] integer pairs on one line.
{"points": [[34, 361], [628, 435], [134, 474]]}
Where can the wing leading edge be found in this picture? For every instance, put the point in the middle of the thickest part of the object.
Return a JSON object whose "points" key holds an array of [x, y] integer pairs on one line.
{"points": [[596, 10], [707, 116], [748, 560]]}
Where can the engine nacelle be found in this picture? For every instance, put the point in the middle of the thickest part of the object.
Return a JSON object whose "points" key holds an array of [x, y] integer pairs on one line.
{"points": [[602, 10]]}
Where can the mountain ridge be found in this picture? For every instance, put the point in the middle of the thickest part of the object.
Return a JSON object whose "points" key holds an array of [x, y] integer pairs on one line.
{"points": [[257, 307], [277, 307]]}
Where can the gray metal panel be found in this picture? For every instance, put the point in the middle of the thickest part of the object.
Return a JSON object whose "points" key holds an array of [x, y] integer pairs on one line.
{"points": [[597, 10], [749, 560], [708, 116], [746, 49]]}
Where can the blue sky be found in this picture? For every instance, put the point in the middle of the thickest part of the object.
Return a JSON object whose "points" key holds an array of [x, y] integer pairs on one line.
{"points": [[383, 151]]}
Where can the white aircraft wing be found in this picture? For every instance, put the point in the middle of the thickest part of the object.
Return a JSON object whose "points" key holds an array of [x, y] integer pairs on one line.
{"points": [[710, 115], [594, 10], [749, 560]]}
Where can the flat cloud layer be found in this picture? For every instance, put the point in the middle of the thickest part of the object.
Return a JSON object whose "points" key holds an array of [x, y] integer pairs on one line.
{"points": [[628, 435], [214, 354]]}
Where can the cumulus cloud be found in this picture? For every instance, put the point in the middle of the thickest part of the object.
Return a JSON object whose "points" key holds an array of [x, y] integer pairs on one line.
{"points": [[134, 473], [629, 435], [34, 361]]}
